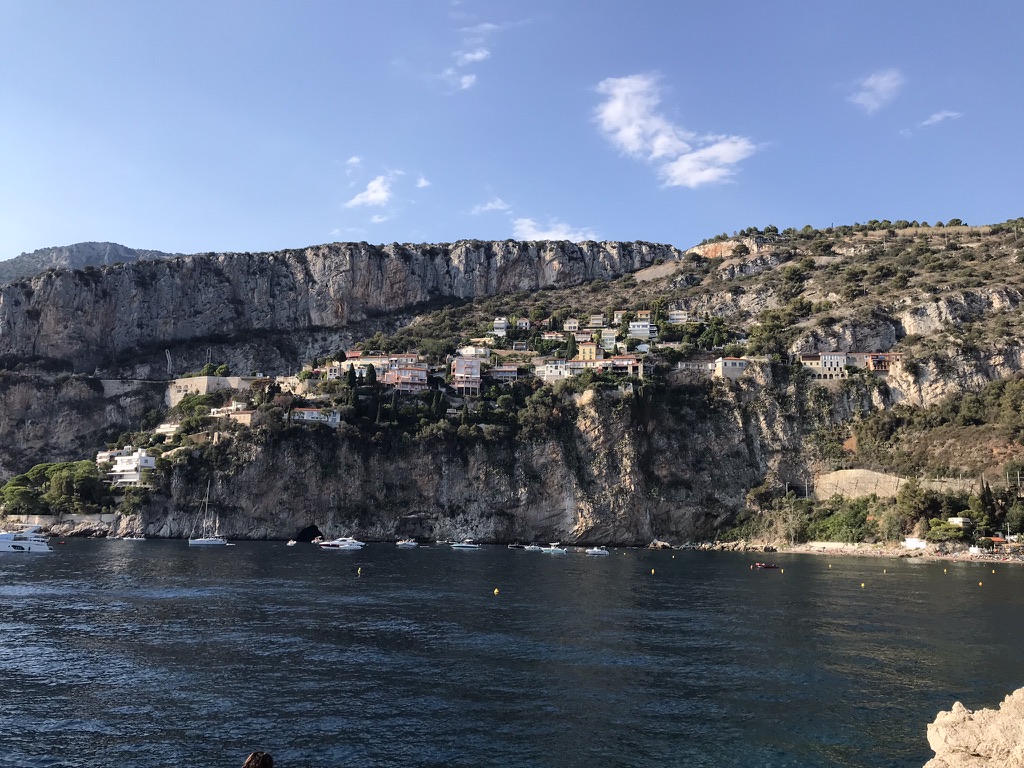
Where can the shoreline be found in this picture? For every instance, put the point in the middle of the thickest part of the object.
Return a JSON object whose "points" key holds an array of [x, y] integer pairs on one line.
{"points": [[897, 552]]}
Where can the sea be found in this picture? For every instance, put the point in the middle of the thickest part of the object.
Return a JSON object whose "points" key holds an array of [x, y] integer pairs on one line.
{"points": [[152, 654]]}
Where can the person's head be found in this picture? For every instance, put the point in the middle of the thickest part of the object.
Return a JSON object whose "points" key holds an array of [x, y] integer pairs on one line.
{"points": [[259, 760]]}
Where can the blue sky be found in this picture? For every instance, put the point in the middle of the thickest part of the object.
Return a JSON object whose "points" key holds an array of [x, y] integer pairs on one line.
{"points": [[245, 125]]}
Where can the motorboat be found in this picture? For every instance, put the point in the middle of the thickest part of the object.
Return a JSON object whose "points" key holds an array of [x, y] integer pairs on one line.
{"points": [[598, 551], [291, 543], [554, 549], [533, 548], [133, 538], [767, 566], [341, 544], [208, 527], [465, 544], [516, 545], [406, 544], [28, 539]]}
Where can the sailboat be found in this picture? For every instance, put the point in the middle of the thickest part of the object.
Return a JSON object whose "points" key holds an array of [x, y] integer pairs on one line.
{"points": [[209, 535]]}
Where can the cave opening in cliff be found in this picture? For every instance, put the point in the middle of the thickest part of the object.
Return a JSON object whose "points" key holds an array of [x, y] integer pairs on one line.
{"points": [[308, 533]]}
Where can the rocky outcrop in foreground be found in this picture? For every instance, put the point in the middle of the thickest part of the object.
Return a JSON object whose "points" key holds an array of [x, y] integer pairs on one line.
{"points": [[983, 739]]}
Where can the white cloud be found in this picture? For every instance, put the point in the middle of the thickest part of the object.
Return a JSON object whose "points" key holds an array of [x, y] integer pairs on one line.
{"points": [[472, 57], [877, 90], [378, 219], [422, 182], [479, 32], [466, 81], [377, 192], [527, 229], [707, 164], [355, 161], [630, 119], [939, 117], [494, 204]]}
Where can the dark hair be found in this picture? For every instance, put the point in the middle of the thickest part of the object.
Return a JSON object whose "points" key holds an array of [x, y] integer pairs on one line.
{"points": [[259, 760]]}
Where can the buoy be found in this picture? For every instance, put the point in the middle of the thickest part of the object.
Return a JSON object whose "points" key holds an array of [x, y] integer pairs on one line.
{"points": [[862, 585], [674, 557], [495, 590], [884, 570], [979, 583], [830, 565], [652, 571], [359, 571], [943, 570], [993, 570], [782, 570]]}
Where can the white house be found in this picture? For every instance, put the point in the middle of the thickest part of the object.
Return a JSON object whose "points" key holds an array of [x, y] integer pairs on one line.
{"points": [[500, 326], [128, 467], [641, 329], [552, 370], [315, 415]]}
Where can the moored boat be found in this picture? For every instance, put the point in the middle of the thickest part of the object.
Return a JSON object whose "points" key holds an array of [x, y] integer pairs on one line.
{"points": [[533, 548], [341, 544], [554, 549], [465, 544], [28, 539], [209, 527], [597, 551], [406, 544], [767, 566]]}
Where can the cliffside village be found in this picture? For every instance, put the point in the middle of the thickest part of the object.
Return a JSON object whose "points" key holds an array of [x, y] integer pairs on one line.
{"points": [[598, 348]]}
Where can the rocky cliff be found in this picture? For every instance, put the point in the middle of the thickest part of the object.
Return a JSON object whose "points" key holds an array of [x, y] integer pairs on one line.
{"points": [[60, 418], [90, 318], [618, 467], [74, 257]]}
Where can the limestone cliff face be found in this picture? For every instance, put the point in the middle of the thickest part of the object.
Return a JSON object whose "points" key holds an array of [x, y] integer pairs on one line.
{"points": [[65, 418], [92, 316], [616, 472]]}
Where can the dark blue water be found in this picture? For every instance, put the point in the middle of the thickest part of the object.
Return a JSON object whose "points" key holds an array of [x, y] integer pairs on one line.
{"points": [[153, 654]]}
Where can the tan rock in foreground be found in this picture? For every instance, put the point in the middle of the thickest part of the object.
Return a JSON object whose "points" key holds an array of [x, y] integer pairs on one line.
{"points": [[983, 739]]}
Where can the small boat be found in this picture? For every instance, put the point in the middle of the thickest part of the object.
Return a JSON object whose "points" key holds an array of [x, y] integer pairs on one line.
{"points": [[554, 549], [209, 533], [291, 543], [533, 548], [516, 545], [27, 539], [598, 551], [465, 544], [765, 565], [406, 544], [133, 538], [342, 544]]}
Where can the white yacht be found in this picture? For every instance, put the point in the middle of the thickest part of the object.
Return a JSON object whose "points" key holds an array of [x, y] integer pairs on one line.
{"points": [[465, 544], [406, 544], [533, 548], [598, 551], [554, 549], [28, 539], [345, 543], [209, 527]]}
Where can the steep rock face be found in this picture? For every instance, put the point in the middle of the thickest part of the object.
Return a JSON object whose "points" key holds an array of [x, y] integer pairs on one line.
{"points": [[64, 418], [74, 257], [934, 316], [986, 738], [618, 471], [92, 317]]}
